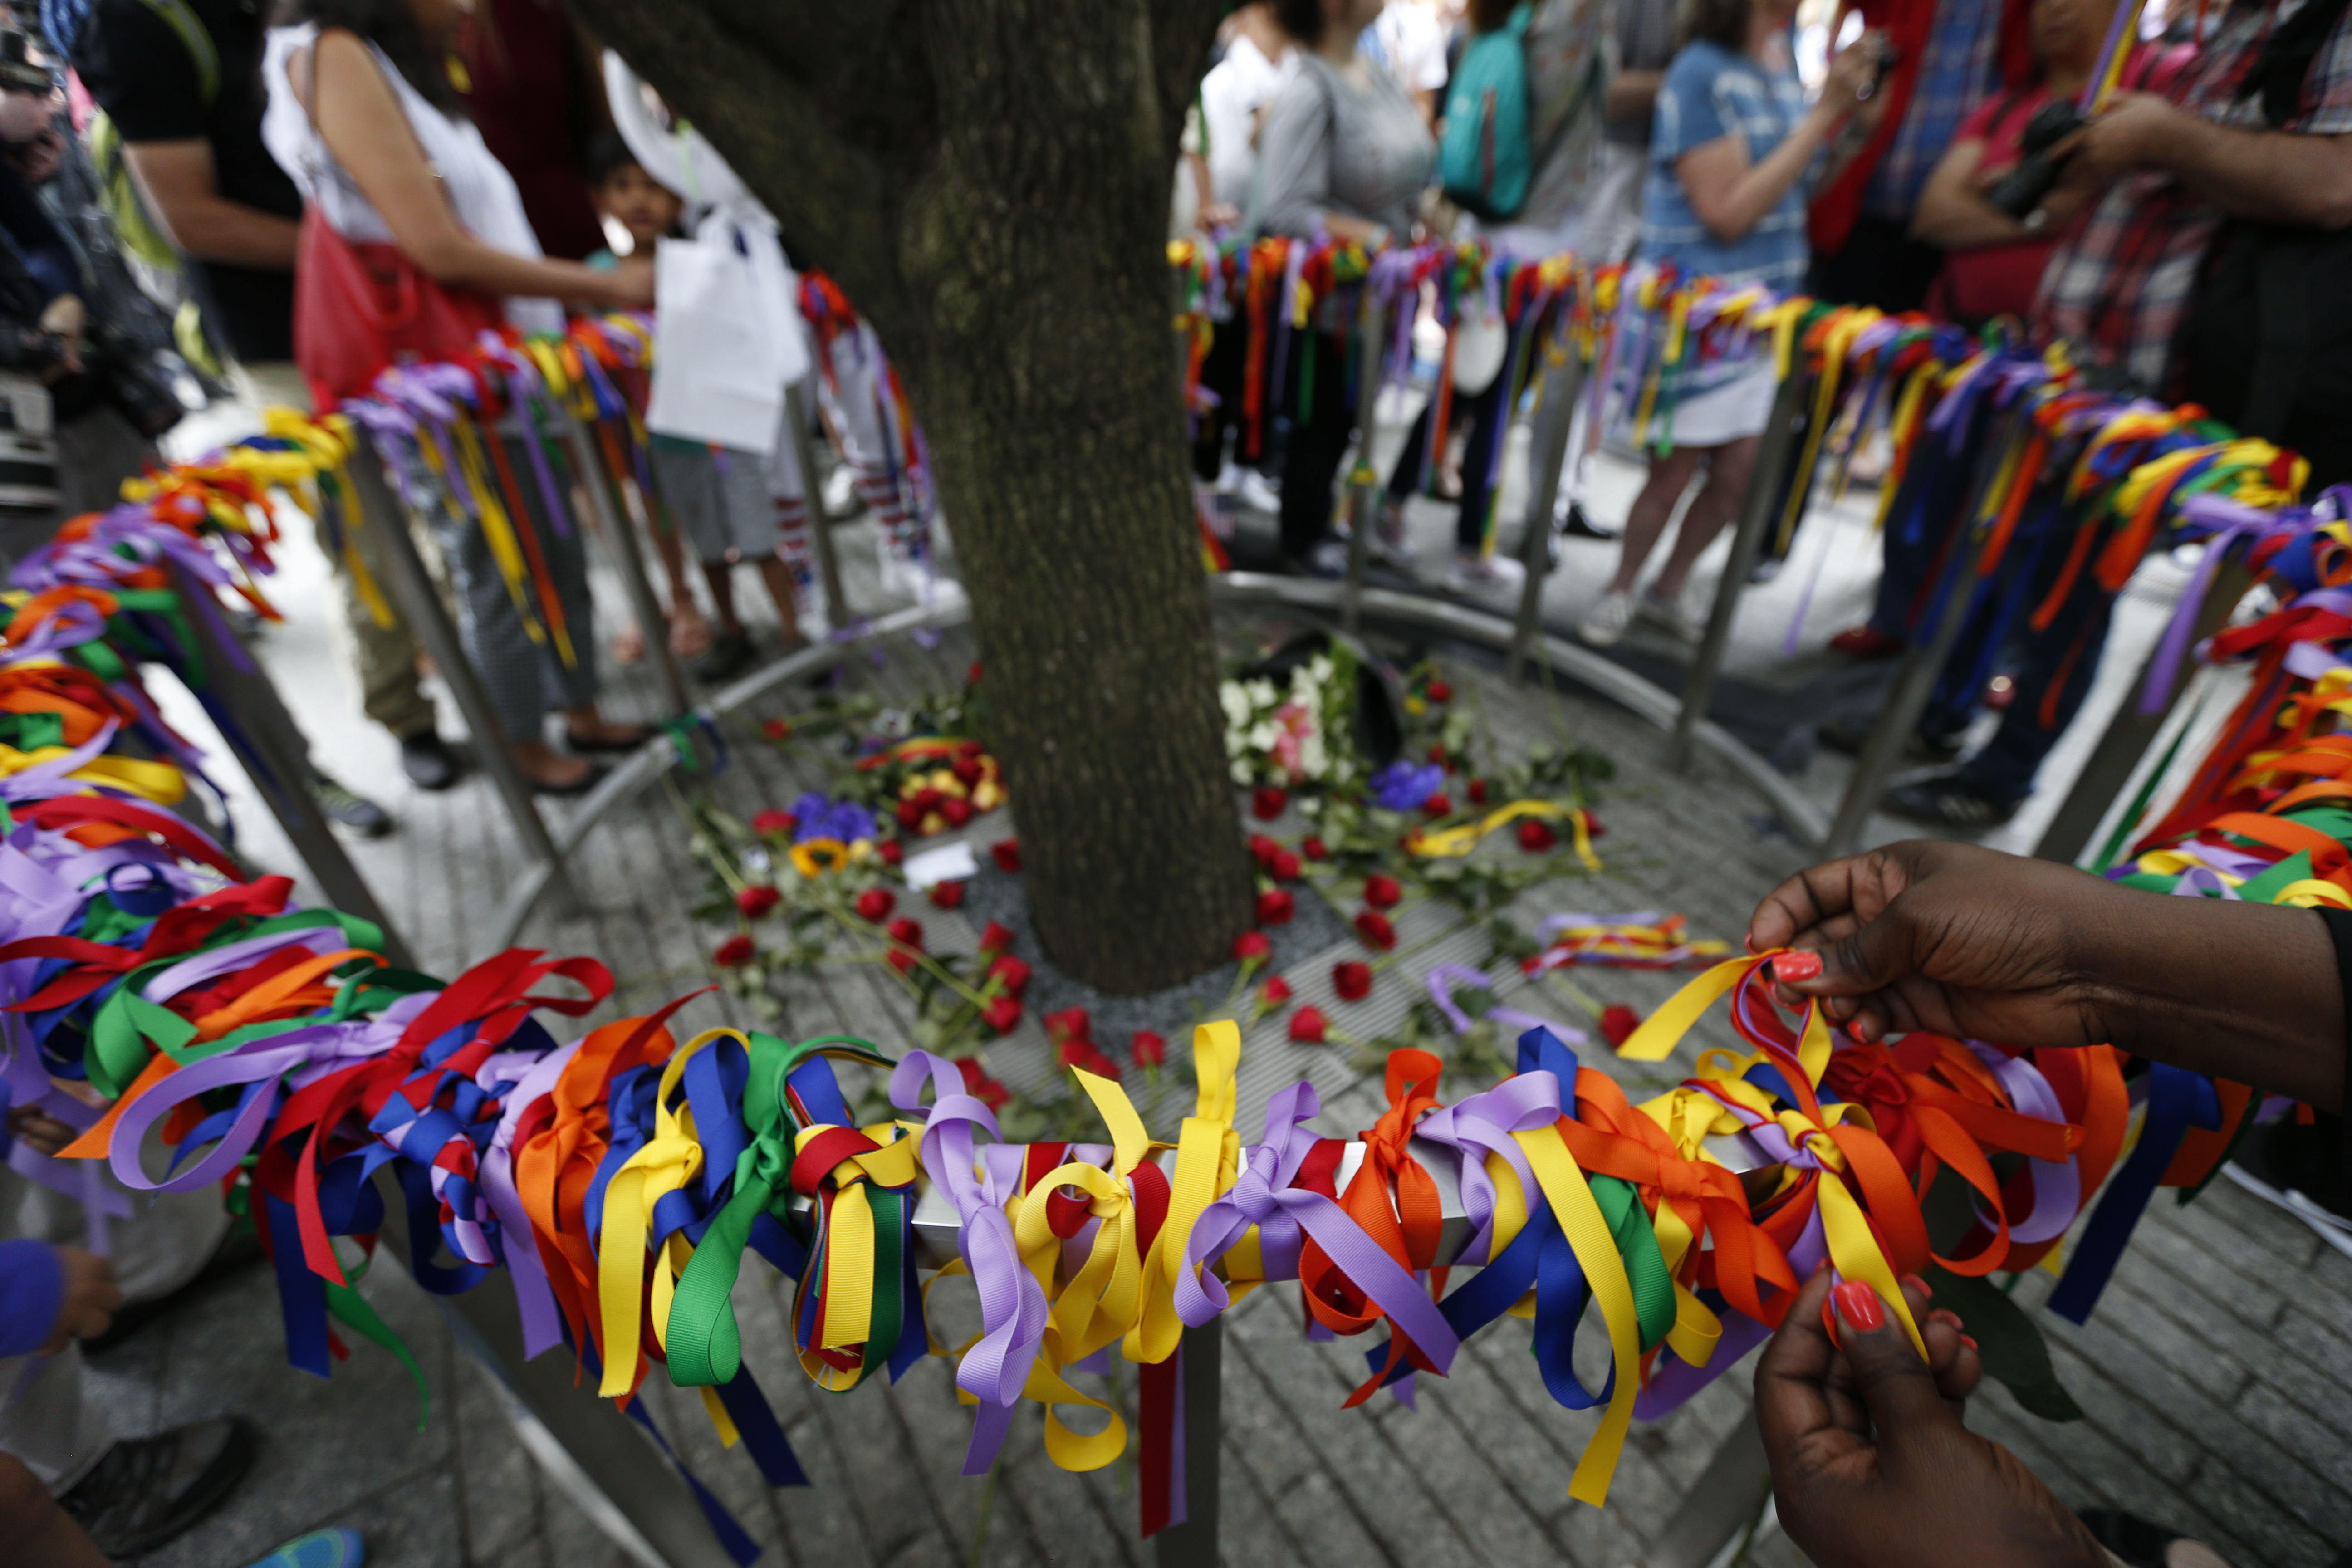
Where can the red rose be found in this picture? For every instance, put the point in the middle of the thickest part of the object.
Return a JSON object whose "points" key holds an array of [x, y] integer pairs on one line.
{"points": [[903, 961], [1148, 1051], [734, 953], [1439, 691], [996, 938], [1263, 849], [1376, 931], [992, 1093], [907, 933], [1536, 835], [1285, 867], [957, 812], [775, 824], [1006, 853], [909, 815], [1307, 1025], [1593, 828], [1070, 1024], [1252, 946], [1477, 790], [928, 799], [1003, 1014], [1618, 1023], [972, 749], [1313, 848], [966, 769], [1382, 890], [776, 728], [1276, 906], [1083, 1054], [1012, 973], [974, 1075], [757, 901], [1266, 801], [1437, 804], [875, 904], [892, 851], [1437, 754], [1351, 980], [972, 676], [947, 895], [1276, 992]]}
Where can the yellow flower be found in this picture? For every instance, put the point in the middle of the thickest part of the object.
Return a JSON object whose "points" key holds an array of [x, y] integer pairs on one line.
{"points": [[817, 856]]}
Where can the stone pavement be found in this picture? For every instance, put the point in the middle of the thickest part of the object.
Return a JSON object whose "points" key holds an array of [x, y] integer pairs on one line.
{"points": [[2216, 1376]]}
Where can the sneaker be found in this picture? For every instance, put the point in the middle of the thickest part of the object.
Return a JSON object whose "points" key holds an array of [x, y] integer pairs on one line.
{"points": [[1866, 641], [356, 812], [1604, 624], [840, 498], [145, 1491], [319, 1548], [1389, 541], [1950, 802], [731, 653], [1672, 612], [1579, 526], [1767, 567], [1259, 493], [1475, 573], [1326, 558], [427, 759], [2301, 1169]]}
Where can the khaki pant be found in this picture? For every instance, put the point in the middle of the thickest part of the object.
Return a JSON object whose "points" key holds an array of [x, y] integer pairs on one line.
{"points": [[384, 658]]}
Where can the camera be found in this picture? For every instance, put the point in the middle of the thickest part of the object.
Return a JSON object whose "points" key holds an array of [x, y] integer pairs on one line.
{"points": [[19, 72], [2027, 185]]}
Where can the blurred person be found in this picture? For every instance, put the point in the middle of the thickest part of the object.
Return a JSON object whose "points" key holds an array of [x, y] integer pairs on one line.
{"points": [[1258, 61], [1733, 149], [1647, 34], [1346, 155], [363, 114], [201, 168], [718, 496], [1408, 41], [533, 85]]}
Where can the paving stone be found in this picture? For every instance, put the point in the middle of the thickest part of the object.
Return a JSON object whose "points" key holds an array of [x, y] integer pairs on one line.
{"points": [[2272, 1536], [498, 1484]]}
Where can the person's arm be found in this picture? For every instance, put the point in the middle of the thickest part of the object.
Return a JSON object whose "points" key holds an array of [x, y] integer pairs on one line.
{"points": [[1731, 192], [2268, 176], [1974, 943], [48, 258], [179, 183], [364, 128], [1953, 213], [1632, 94]]}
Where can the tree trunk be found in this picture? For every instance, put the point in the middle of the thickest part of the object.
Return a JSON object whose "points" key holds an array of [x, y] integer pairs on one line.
{"points": [[989, 181]]}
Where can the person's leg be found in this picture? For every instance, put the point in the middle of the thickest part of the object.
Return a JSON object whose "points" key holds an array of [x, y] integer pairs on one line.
{"points": [[689, 633], [1405, 477], [570, 684], [1670, 476], [1319, 440], [39, 1533], [777, 574], [505, 660], [1486, 427], [1716, 503], [719, 578]]}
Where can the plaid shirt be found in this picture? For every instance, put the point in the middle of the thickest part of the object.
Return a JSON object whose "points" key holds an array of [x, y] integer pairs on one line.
{"points": [[2121, 281], [1955, 74]]}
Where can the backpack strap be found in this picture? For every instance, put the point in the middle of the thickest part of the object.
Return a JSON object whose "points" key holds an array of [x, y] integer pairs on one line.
{"points": [[177, 16]]}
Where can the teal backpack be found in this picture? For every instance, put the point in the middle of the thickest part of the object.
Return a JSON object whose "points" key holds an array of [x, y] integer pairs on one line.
{"points": [[1487, 160]]}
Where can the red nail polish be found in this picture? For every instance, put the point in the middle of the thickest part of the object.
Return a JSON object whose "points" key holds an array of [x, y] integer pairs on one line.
{"points": [[1951, 1318], [1920, 1285], [1968, 1341], [1790, 967], [1858, 1306]]}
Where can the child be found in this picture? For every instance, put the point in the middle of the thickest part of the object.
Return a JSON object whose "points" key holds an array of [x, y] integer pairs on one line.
{"points": [[719, 495]]}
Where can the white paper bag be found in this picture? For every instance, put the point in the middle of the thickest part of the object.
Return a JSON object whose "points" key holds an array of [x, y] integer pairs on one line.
{"points": [[727, 337]]}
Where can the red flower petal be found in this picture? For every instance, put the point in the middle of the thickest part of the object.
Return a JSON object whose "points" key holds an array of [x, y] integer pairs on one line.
{"points": [[1276, 906], [734, 953], [1251, 944], [1150, 1050], [1376, 931], [757, 901], [1618, 1023], [1351, 980], [1382, 891], [1006, 853], [875, 904], [1308, 1026], [947, 895], [1266, 801]]}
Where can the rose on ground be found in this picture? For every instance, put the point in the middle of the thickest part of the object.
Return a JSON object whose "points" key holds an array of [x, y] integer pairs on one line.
{"points": [[1308, 1026], [775, 824], [1618, 1023], [909, 815], [1276, 992], [1382, 891], [997, 937], [1437, 754], [1376, 931], [1439, 691], [875, 904], [892, 851], [1069, 1024], [957, 812], [1002, 1014], [1437, 804], [776, 728], [1263, 849], [1150, 1050], [1284, 866], [907, 933], [757, 900], [1251, 947], [734, 953], [1266, 801], [966, 769], [1276, 906], [1010, 972], [1006, 853], [1313, 849], [1477, 790], [1351, 980], [1536, 835], [947, 895], [972, 676]]}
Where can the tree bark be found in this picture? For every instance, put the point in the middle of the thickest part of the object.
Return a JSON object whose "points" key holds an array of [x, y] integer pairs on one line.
{"points": [[989, 181]]}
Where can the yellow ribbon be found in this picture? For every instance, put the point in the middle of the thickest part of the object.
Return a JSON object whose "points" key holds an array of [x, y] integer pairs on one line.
{"points": [[1208, 1158], [1580, 1221]]}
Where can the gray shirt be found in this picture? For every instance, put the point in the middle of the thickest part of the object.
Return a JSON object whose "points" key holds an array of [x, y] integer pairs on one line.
{"points": [[1345, 141], [1567, 51], [1646, 33]]}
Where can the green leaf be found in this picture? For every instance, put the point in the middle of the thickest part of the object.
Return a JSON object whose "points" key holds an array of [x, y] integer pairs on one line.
{"points": [[2007, 1340]]}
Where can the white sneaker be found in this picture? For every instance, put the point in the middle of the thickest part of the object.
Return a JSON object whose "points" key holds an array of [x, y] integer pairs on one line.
{"points": [[1259, 493], [1674, 614], [1604, 624], [1389, 540], [1484, 575]]}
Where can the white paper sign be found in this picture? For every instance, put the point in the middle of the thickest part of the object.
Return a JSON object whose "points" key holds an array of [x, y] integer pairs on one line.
{"points": [[947, 863]]}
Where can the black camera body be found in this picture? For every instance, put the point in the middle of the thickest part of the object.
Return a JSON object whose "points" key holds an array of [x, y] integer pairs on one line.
{"points": [[2028, 186]]}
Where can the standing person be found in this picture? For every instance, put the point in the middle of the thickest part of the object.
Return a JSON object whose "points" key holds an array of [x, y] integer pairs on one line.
{"points": [[363, 114], [1647, 32], [1258, 63], [1345, 156], [1408, 41], [221, 199], [533, 86], [1733, 149]]}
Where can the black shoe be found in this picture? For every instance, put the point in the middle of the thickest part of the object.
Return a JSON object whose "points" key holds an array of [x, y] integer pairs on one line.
{"points": [[1950, 802], [146, 1490], [1849, 732], [2132, 1540], [728, 654], [427, 759], [1579, 526], [356, 812]]}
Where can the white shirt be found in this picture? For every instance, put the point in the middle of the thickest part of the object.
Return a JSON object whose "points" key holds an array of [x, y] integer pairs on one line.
{"points": [[1409, 40], [481, 193], [1232, 94]]}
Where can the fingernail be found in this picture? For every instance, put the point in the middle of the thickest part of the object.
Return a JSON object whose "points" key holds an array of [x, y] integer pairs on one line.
{"points": [[1920, 1285], [1790, 967], [1858, 1307], [1750, 942], [1951, 1318], [1968, 1341]]}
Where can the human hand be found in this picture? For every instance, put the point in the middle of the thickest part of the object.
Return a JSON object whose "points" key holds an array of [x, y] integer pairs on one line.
{"points": [[1952, 938], [90, 1299], [2128, 134], [1853, 72], [1871, 1462], [65, 319], [38, 1128], [631, 284]]}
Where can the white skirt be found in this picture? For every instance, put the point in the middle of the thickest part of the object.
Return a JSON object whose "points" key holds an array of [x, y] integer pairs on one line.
{"points": [[1739, 407]]}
